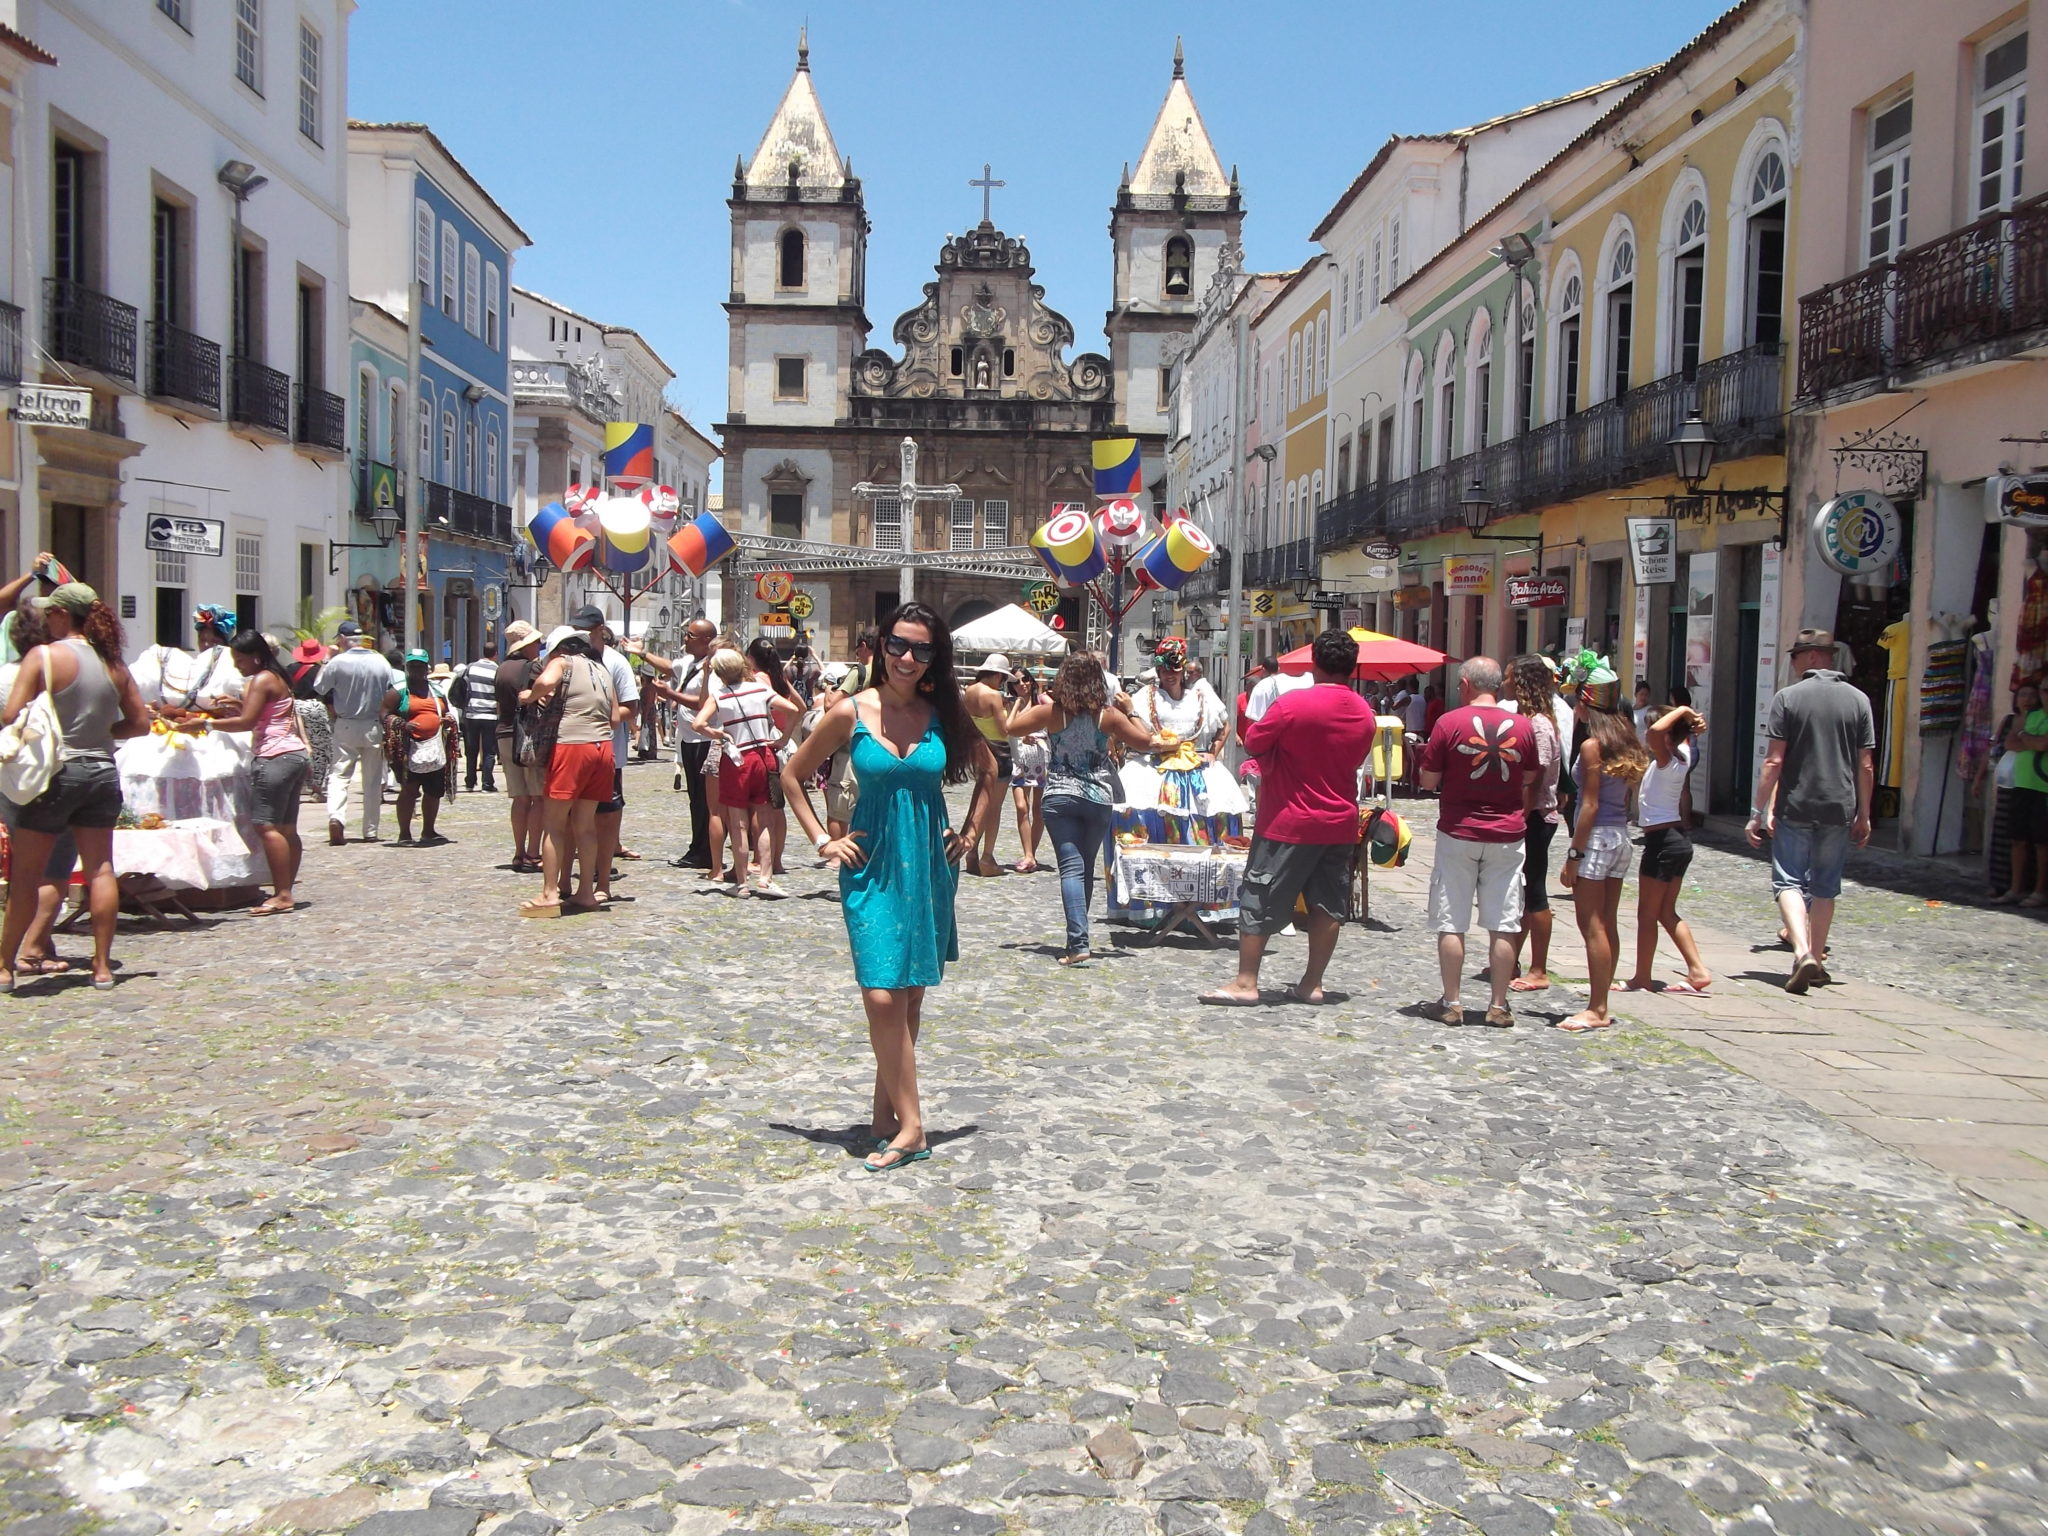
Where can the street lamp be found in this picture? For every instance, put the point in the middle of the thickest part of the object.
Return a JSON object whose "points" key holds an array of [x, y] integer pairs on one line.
{"points": [[1692, 451], [383, 522], [1476, 506]]}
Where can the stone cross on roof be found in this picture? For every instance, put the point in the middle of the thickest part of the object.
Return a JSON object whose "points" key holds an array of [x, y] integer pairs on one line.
{"points": [[908, 493], [987, 185]]}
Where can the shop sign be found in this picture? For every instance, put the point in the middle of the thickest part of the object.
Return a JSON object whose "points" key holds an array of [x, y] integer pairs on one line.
{"points": [[1537, 591], [1858, 532], [53, 405], [1042, 597], [1408, 598], [2020, 499], [1574, 635], [1381, 549], [1264, 604], [185, 535], [802, 605], [1653, 550], [1468, 575], [774, 586]]}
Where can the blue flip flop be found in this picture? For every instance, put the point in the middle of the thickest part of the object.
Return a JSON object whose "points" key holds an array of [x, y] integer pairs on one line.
{"points": [[920, 1155]]}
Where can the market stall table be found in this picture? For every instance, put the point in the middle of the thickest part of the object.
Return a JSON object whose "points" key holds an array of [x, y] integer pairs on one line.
{"points": [[1186, 880]]}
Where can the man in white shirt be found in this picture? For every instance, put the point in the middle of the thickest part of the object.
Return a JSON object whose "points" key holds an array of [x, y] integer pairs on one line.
{"points": [[626, 686], [685, 689], [354, 682]]}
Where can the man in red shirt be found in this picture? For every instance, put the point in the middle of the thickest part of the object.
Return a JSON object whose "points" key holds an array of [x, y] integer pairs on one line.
{"points": [[1309, 746], [1482, 759]]}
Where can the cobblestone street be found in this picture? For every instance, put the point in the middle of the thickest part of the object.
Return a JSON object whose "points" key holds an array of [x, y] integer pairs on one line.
{"points": [[409, 1218]]}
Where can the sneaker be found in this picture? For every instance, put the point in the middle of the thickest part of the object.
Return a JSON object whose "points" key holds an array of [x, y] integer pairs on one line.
{"points": [[337, 834], [1498, 1017], [768, 890], [1444, 1011]]}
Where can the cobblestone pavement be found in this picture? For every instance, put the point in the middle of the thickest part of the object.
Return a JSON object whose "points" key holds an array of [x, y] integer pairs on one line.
{"points": [[408, 1218]]}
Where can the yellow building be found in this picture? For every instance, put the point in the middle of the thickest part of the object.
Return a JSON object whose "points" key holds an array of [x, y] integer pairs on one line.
{"points": [[1556, 348], [1292, 381]]}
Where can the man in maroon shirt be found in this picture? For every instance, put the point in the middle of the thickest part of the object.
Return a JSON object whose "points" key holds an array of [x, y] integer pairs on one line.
{"points": [[1309, 746], [1483, 761]]}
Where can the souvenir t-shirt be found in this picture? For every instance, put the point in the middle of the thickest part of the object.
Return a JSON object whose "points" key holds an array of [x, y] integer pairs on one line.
{"points": [[1310, 745], [2026, 771], [1483, 754]]}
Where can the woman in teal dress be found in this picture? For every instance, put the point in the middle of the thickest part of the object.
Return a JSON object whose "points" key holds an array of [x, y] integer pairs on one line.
{"points": [[898, 863]]}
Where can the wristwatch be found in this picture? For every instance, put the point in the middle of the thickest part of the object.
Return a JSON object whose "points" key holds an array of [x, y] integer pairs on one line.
{"points": [[821, 842], [1575, 853]]}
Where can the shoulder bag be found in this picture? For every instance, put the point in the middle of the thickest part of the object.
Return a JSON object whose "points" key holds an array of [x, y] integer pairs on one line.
{"points": [[31, 750]]}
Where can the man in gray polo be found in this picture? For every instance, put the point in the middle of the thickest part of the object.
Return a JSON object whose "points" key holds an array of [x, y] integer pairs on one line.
{"points": [[353, 683], [1813, 797]]}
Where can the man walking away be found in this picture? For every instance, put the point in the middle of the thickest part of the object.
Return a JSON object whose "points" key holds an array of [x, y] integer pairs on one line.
{"points": [[1813, 797], [475, 693], [1483, 762], [611, 814], [354, 683], [686, 690], [1310, 743], [525, 783]]}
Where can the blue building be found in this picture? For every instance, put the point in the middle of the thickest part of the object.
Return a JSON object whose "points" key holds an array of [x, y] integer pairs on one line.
{"points": [[424, 232]]}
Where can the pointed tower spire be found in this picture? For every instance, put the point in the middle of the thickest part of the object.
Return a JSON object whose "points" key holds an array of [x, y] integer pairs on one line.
{"points": [[798, 145], [1179, 145]]}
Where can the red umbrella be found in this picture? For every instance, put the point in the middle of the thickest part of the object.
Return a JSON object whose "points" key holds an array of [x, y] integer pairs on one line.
{"points": [[1381, 658]]}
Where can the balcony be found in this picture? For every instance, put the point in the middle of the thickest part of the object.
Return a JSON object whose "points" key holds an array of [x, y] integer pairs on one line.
{"points": [[563, 384], [1975, 294], [90, 329], [322, 420], [447, 510], [184, 368], [10, 343], [261, 398], [1279, 564], [1605, 447]]}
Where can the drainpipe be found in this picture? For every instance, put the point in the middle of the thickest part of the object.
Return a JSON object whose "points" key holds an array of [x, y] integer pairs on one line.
{"points": [[415, 475]]}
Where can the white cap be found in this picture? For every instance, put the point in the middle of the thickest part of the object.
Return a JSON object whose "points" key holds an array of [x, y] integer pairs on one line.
{"points": [[560, 633]]}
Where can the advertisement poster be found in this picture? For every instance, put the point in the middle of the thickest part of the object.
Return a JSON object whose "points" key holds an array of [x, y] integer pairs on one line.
{"points": [[1575, 635], [1468, 575], [1699, 633], [1640, 652], [1766, 653], [1653, 550]]}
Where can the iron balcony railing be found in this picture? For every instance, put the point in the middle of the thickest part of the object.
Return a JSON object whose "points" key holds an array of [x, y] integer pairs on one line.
{"points": [[1974, 286], [1613, 444], [451, 511], [322, 419], [368, 473], [1212, 580], [1279, 564], [261, 397], [91, 329], [183, 366], [10, 343]]}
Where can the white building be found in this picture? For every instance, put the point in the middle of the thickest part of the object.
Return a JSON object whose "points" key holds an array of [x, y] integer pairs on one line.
{"points": [[571, 374], [180, 247]]}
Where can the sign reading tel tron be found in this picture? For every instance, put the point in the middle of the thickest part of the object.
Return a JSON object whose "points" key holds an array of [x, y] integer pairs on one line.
{"points": [[185, 535], [53, 405]]}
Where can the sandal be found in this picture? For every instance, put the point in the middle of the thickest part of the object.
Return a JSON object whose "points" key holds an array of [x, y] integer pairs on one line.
{"points": [[1579, 1024], [1524, 984], [903, 1155], [539, 908], [51, 965], [1444, 1011]]}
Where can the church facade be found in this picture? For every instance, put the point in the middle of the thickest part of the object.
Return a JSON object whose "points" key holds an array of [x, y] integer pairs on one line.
{"points": [[979, 375]]}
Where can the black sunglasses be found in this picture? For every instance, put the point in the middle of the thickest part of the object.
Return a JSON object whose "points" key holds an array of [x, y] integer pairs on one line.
{"points": [[920, 651]]}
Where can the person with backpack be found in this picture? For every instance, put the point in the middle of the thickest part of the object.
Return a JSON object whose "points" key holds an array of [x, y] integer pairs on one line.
{"points": [[575, 709], [474, 692], [419, 739]]}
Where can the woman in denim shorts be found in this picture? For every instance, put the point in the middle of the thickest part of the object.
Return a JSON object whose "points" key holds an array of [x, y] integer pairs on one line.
{"points": [[96, 704], [1610, 764]]}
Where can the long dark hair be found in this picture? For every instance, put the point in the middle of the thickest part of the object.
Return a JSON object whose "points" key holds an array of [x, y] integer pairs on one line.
{"points": [[939, 687], [767, 661], [256, 645], [1621, 753], [102, 631], [1079, 688]]}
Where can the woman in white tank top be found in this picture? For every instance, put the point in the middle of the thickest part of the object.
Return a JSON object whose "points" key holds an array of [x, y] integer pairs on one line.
{"points": [[1667, 851]]}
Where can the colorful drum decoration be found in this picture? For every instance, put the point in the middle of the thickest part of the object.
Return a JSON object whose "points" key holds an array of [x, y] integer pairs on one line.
{"points": [[555, 534], [1120, 524], [627, 534], [1066, 546], [1119, 467], [699, 544], [662, 505], [1169, 560], [580, 498], [628, 453]]}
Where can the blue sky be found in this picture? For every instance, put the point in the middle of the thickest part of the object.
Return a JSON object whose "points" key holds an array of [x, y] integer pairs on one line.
{"points": [[609, 132]]}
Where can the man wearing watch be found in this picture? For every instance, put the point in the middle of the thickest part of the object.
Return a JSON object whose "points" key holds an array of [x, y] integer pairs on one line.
{"points": [[1813, 797]]}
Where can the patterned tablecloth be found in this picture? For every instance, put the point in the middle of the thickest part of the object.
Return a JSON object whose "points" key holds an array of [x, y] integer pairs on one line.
{"points": [[1173, 875], [198, 855]]}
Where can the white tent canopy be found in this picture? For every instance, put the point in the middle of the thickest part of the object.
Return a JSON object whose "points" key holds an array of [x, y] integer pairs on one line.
{"points": [[1015, 631]]}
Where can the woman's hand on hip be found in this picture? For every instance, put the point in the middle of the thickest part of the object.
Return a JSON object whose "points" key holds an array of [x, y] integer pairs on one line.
{"points": [[844, 851], [956, 846]]}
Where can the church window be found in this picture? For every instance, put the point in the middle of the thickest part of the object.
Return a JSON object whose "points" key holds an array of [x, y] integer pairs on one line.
{"points": [[957, 366], [888, 523], [1179, 266], [1009, 362], [790, 266], [789, 378], [995, 524], [786, 514], [960, 523]]}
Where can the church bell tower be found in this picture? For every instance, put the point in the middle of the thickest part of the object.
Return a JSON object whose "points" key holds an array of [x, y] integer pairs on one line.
{"points": [[1168, 227]]}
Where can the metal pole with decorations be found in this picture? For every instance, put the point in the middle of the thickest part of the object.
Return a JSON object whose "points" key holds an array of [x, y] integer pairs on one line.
{"points": [[614, 540], [1115, 556]]}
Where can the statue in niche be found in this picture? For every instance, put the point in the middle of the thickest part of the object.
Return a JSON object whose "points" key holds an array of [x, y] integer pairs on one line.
{"points": [[981, 371]]}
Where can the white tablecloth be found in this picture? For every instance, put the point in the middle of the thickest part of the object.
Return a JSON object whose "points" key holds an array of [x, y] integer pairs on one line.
{"points": [[1209, 878], [196, 855]]}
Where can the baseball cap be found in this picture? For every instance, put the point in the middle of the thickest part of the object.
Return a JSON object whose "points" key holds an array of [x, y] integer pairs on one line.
{"points": [[74, 597], [835, 673], [349, 629], [589, 616], [417, 656], [563, 632]]}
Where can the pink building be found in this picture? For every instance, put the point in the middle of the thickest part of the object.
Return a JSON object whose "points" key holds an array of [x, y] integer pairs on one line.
{"points": [[1922, 245]]}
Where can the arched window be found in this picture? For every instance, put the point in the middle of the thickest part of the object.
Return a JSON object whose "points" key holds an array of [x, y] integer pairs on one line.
{"points": [[1570, 349], [1620, 316], [469, 456], [1763, 312], [366, 420], [1287, 526], [1180, 266], [1689, 287], [1343, 303], [394, 422], [426, 463], [789, 271], [491, 464], [1294, 390], [1322, 352], [1414, 394], [1525, 360], [448, 447], [1479, 387], [1446, 399]]}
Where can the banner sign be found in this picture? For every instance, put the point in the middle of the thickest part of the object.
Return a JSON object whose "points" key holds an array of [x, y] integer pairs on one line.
{"points": [[1468, 575], [184, 535], [2019, 499], [1264, 604], [1653, 549], [1537, 591], [53, 405]]}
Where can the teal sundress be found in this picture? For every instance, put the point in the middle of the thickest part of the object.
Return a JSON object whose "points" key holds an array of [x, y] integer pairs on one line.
{"points": [[899, 903]]}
